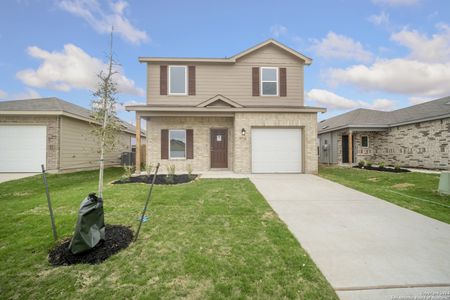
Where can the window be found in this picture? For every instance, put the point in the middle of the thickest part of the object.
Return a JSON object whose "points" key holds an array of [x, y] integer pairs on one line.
{"points": [[177, 144], [177, 80], [269, 81], [365, 141]]}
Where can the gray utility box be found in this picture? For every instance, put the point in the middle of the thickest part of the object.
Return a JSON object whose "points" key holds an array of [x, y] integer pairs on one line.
{"points": [[444, 183], [128, 158]]}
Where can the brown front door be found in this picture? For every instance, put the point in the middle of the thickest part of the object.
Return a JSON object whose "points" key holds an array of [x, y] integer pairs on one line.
{"points": [[219, 148]]}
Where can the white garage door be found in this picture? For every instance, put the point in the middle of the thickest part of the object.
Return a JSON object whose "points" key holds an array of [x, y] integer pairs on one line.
{"points": [[22, 148], [276, 150]]}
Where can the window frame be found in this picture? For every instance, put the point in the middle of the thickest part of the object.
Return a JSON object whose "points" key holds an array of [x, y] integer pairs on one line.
{"points": [[365, 136], [185, 80], [261, 81], [185, 145]]}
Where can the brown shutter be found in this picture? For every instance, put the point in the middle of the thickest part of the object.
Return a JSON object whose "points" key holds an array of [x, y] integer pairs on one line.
{"points": [[283, 84], [255, 81], [164, 144], [191, 81], [163, 80], [189, 143]]}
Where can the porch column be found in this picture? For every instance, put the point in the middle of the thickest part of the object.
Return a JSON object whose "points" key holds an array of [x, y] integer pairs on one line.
{"points": [[138, 143], [350, 147]]}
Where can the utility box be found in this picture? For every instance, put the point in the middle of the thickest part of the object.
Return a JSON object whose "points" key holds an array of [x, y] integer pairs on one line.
{"points": [[444, 183]]}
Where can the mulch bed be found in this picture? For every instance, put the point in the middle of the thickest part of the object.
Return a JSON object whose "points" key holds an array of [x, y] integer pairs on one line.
{"points": [[160, 179], [383, 169], [117, 237]]}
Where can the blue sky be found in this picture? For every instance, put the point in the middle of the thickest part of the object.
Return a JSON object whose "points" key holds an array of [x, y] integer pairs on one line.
{"points": [[381, 54]]}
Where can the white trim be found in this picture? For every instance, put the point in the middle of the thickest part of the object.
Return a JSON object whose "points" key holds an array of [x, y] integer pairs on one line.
{"points": [[367, 141], [185, 146], [185, 81], [261, 81]]}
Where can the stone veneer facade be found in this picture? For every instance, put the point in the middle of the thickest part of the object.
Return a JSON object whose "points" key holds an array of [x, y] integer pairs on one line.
{"points": [[239, 147], [422, 145], [52, 123]]}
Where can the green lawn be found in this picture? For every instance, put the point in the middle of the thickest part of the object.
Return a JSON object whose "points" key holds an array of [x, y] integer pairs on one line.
{"points": [[403, 189], [210, 239]]}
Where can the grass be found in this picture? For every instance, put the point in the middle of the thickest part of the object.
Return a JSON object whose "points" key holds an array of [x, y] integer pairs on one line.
{"points": [[403, 189], [209, 239]]}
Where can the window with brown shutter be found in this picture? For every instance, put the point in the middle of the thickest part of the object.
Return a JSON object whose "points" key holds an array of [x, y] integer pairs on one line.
{"points": [[283, 84], [164, 144], [163, 80], [189, 143], [191, 80], [255, 81]]}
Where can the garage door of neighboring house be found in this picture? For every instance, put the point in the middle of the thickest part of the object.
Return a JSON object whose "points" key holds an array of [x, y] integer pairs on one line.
{"points": [[276, 150], [22, 148]]}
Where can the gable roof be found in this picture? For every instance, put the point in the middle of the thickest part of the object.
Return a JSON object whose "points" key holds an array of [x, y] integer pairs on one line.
{"points": [[219, 98], [436, 109], [233, 58], [52, 106]]}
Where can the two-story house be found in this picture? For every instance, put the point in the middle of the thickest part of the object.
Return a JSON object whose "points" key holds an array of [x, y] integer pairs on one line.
{"points": [[243, 113]]}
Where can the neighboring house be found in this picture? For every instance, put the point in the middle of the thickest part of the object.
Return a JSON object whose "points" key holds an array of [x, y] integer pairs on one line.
{"points": [[52, 132], [244, 113], [415, 136]]}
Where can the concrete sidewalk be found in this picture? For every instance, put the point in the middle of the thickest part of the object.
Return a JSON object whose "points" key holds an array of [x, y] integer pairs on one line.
{"points": [[13, 176], [367, 248]]}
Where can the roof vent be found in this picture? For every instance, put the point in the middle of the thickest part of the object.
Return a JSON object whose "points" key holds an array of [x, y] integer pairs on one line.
{"points": [[322, 121], [325, 127]]}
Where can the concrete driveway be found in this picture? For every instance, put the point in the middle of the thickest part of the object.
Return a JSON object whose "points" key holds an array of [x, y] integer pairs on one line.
{"points": [[367, 248], [13, 176]]}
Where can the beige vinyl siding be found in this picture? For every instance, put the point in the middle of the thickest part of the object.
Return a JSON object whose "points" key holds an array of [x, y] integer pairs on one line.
{"points": [[79, 148], [234, 80]]}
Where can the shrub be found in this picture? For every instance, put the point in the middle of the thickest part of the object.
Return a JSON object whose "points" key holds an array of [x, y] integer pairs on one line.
{"points": [[369, 163], [127, 171], [170, 173], [381, 165], [149, 169], [361, 163], [397, 166], [189, 171]]}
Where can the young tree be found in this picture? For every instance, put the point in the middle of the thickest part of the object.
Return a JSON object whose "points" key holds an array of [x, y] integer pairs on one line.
{"points": [[104, 113]]}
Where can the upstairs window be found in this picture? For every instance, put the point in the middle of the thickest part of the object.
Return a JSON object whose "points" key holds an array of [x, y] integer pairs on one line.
{"points": [[177, 80], [365, 141], [269, 81], [177, 144]]}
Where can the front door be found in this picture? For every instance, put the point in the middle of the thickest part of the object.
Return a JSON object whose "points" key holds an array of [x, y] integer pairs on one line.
{"points": [[345, 149], [219, 148]]}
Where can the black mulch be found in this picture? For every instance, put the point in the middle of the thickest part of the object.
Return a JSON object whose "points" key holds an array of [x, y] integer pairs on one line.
{"points": [[383, 169], [117, 237], [160, 179]]}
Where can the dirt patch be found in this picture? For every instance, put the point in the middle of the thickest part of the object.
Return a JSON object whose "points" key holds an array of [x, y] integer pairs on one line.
{"points": [[403, 186], [160, 179], [117, 237], [268, 215], [373, 179]]}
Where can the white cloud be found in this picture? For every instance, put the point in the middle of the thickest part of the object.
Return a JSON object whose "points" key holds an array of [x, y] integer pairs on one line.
{"points": [[341, 47], [434, 50], [278, 30], [396, 2], [380, 20], [69, 69], [402, 76], [102, 18], [424, 72], [332, 101], [418, 100], [26, 94]]}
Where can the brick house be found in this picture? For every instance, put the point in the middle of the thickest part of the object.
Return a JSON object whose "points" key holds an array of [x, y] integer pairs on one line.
{"points": [[244, 113], [415, 136]]}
